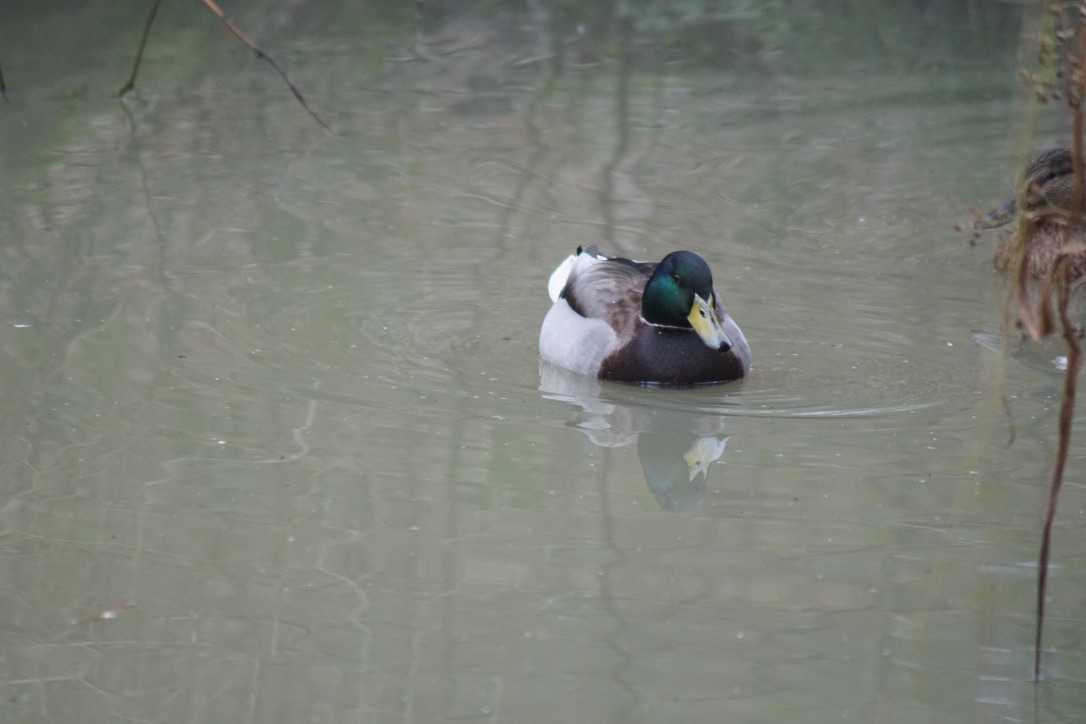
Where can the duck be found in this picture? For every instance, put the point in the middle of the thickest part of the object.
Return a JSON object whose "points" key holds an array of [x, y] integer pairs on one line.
{"points": [[649, 323], [1049, 193]]}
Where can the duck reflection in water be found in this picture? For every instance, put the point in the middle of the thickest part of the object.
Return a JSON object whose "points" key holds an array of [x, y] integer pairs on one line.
{"points": [[675, 447]]}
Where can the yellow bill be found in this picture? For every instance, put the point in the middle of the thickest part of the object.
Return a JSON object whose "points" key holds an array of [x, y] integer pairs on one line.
{"points": [[704, 321]]}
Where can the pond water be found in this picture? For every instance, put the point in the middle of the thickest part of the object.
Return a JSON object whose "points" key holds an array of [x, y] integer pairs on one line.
{"points": [[278, 445]]}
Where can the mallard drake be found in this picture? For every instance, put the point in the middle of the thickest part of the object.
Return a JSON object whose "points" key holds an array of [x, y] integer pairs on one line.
{"points": [[1050, 189], [635, 321]]}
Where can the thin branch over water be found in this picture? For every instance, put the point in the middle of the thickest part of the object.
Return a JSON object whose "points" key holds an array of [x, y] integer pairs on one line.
{"points": [[260, 53]]}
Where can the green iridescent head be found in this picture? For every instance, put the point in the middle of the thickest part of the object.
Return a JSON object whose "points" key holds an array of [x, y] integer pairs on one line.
{"points": [[680, 294]]}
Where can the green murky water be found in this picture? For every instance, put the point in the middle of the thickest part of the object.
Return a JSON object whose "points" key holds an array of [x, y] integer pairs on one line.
{"points": [[278, 445]]}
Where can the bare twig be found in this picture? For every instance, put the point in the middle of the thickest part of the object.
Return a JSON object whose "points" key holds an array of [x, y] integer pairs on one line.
{"points": [[1060, 275], [1067, 413], [139, 53], [239, 35], [264, 56]]}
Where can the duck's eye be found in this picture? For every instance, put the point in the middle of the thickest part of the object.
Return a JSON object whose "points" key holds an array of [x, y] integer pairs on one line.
{"points": [[675, 278], [1049, 176]]}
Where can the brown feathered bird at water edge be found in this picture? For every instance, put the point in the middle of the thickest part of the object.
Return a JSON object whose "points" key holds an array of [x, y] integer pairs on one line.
{"points": [[1049, 196]]}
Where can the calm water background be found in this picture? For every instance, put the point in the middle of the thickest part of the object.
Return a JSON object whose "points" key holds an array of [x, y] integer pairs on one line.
{"points": [[278, 446]]}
